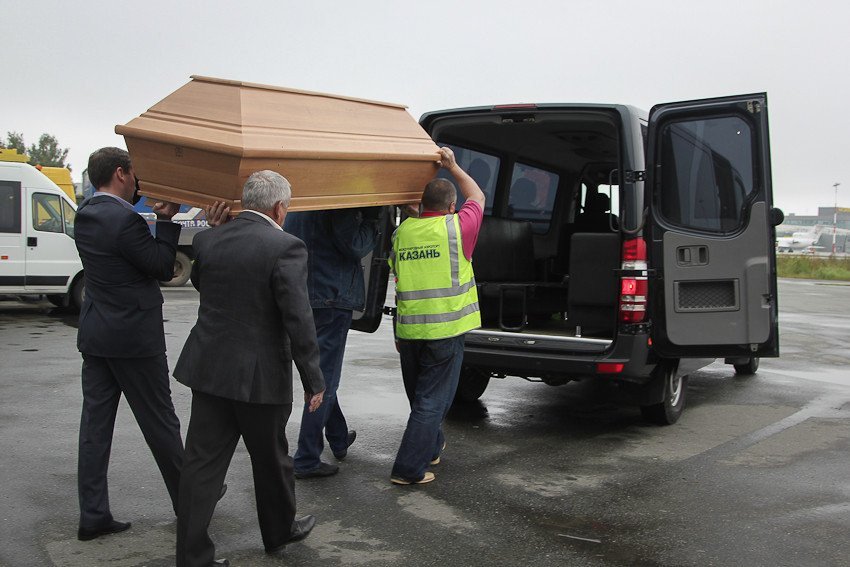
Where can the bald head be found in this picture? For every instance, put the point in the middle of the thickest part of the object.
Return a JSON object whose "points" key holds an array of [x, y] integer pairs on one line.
{"points": [[439, 195]]}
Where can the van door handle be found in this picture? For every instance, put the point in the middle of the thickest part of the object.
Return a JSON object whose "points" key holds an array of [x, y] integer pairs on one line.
{"points": [[692, 255], [32, 241]]}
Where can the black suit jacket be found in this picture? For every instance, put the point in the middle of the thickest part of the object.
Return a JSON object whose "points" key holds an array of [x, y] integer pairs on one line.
{"points": [[254, 317], [121, 316]]}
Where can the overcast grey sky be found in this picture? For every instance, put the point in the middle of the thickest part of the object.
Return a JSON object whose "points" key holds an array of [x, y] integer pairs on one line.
{"points": [[76, 69]]}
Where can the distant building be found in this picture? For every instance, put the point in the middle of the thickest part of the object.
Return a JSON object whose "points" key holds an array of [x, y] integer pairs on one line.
{"points": [[824, 217]]}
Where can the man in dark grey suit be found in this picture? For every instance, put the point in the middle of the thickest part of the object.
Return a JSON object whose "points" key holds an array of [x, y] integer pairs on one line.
{"points": [[254, 319], [121, 335]]}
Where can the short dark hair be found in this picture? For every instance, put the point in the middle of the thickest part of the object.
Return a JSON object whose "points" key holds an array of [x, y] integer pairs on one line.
{"points": [[438, 195], [104, 162]]}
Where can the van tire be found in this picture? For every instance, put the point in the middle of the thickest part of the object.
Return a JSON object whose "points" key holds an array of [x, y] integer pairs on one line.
{"points": [[748, 368], [671, 407], [182, 270], [77, 294], [471, 385]]}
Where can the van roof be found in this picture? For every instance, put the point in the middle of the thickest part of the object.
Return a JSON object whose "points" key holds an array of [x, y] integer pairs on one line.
{"points": [[27, 176], [429, 117]]}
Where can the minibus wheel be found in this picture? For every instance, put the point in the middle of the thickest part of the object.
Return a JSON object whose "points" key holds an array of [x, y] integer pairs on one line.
{"points": [[182, 270], [670, 409], [747, 368], [471, 385], [77, 293]]}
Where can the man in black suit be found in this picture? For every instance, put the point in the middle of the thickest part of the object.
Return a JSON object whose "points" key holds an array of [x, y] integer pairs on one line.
{"points": [[254, 319], [121, 335]]}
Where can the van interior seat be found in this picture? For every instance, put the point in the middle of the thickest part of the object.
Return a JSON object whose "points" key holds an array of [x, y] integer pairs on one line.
{"points": [[593, 296], [505, 270], [595, 218], [504, 251]]}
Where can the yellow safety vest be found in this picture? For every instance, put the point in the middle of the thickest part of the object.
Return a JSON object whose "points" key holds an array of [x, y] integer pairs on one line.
{"points": [[435, 286]]}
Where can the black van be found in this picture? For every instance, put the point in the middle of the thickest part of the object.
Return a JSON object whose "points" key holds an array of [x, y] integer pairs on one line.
{"points": [[616, 245]]}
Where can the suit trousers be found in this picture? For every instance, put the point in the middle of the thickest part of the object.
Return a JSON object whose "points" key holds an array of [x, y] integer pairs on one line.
{"points": [[144, 383], [215, 426]]}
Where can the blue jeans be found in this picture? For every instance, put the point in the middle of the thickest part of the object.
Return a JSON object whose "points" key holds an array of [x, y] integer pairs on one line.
{"points": [[430, 370], [331, 331]]}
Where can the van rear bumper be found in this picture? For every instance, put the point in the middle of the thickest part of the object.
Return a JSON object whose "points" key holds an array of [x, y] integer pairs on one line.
{"points": [[569, 363]]}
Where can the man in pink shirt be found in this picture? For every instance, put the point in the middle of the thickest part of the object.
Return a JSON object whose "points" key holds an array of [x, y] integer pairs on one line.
{"points": [[436, 305], [470, 215]]}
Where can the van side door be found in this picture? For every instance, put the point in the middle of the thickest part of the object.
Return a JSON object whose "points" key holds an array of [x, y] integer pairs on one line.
{"points": [[376, 272], [711, 228], [12, 255]]}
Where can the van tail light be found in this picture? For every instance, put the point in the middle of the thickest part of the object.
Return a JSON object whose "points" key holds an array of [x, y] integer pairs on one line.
{"points": [[609, 367], [633, 289]]}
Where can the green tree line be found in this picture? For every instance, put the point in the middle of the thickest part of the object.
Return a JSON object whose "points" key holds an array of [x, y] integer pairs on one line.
{"points": [[46, 152]]}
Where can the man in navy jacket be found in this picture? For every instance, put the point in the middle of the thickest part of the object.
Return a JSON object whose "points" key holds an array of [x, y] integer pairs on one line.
{"points": [[337, 241], [121, 334]]}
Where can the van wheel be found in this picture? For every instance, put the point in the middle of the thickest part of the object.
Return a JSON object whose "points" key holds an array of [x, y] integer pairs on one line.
{"points": [[671, 407], [182, 270], [748, 368], [471, 385], [77, 294]]}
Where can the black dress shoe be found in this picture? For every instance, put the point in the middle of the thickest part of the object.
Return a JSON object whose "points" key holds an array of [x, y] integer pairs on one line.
{"points": [[324, 469], [301, 528], [352, 435], [222, 493], [113, 527]]}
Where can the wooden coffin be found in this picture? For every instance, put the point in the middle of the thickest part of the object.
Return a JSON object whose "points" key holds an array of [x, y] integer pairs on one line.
{"points": [[201, 142]]}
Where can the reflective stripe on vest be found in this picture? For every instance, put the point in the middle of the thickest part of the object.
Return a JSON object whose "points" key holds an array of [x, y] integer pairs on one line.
{"points": [[435, 291]]}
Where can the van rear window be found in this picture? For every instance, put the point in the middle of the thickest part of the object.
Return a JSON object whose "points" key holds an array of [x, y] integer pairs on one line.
{"points": [[483, 168], [10, 206], [707, 173], [532, 196]]}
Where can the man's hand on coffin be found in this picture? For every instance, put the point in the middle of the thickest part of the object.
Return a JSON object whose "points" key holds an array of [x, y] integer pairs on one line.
{"points": [[165, 210], [217, 213], [447, 158], [314, 400]]}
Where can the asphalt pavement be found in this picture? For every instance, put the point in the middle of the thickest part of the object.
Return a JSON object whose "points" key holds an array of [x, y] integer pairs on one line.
{"points": [[755, 472]]}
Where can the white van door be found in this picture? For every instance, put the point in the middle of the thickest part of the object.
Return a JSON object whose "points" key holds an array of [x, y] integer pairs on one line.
{"points": [[711, 227], [12, 251], [51, 255]]}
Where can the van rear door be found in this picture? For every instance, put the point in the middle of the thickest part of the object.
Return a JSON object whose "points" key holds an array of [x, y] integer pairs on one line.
{"points": [[711, 235]]}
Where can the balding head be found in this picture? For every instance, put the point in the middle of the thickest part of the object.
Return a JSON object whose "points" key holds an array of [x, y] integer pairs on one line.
{"points": [[439, 195]]}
